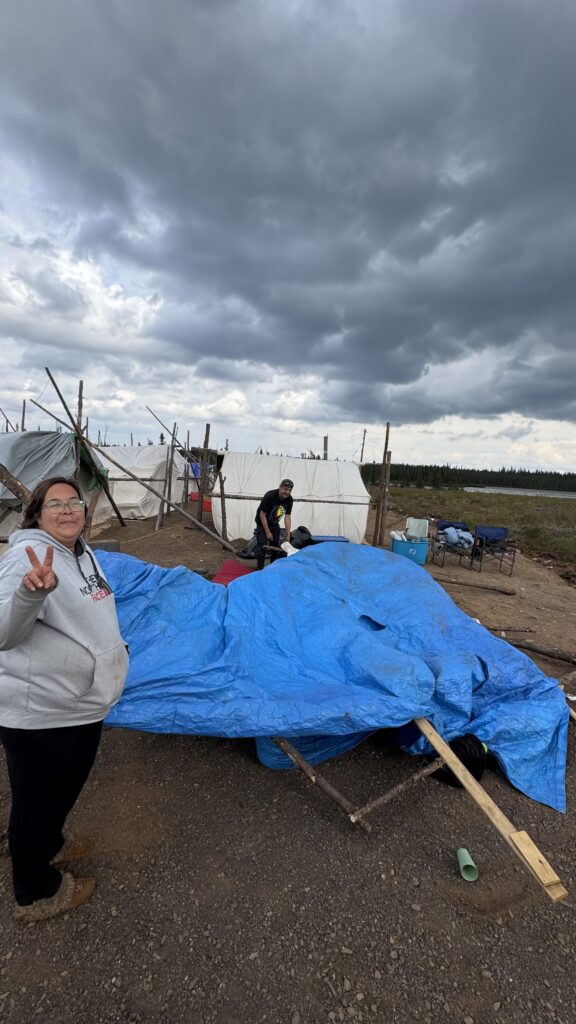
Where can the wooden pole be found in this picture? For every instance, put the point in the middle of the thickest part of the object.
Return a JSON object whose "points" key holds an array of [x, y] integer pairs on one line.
{"points": [[519, 842], [326, 447], [549, 652], [310, 501], [318, 780], [14, 485], [53, 415], [376, 534], [23, 424], [385, 499], [186, 483], [362, 448], [203, 488], [160, 516], [79, 427], [183, 513], [171, 469], [86, 445], [8, 423], [396, 790], [223, 505], [94, 498], [477, 586]]}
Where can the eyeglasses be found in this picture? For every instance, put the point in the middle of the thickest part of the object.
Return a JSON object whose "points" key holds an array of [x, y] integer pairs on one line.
{"points": [[74, 505]]}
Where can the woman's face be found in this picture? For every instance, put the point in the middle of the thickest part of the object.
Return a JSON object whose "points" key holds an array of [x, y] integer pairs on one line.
{"points": [[64, 524]]}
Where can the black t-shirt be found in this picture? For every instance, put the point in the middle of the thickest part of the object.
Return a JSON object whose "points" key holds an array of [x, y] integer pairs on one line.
{"points": [[275, 507]]}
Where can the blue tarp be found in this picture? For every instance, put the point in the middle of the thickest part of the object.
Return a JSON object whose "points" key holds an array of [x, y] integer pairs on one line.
{"points": [[337, 640]]}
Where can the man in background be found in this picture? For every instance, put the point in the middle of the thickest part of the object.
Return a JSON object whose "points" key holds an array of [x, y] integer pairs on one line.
{"points": [[275, 505]]}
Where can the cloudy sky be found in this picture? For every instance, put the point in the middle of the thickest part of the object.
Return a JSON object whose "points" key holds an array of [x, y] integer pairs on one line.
{"points": [[292, 218]]}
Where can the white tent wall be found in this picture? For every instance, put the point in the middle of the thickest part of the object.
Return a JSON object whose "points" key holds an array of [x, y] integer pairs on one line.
{"points": [[320, 481], [147, 462]]}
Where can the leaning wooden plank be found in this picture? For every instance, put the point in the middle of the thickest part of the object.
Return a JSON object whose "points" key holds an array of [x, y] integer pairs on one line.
{"points": [[555, 890], [532, 855], [310, 772]]}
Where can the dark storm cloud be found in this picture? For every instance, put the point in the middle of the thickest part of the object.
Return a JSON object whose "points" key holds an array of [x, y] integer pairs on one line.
{"points": [[368, 192]]}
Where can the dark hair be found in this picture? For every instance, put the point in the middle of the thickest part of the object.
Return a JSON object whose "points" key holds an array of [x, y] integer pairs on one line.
{"points": [[34, 507]]}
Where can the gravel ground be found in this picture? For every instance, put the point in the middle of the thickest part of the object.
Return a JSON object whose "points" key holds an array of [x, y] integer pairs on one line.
{"points": [[229, 893]]}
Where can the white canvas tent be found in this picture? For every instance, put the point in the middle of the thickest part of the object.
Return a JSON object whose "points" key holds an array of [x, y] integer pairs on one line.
{"points": [[149, 464], [336, 498]]}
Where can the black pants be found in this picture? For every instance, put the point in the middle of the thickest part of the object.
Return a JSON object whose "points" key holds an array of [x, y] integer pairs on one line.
{"points": [[262, 540], [47, 769]]}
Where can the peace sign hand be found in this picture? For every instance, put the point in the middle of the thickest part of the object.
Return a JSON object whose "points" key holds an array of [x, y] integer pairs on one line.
{"points": [[41, 575]]}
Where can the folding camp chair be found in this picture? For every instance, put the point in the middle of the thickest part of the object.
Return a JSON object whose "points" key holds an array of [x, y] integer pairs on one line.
{"points": [[416, 529], [453, 537], [493, 542]]}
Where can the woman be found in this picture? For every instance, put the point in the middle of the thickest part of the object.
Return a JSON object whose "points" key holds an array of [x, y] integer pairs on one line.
{"points": [[62, 666]]}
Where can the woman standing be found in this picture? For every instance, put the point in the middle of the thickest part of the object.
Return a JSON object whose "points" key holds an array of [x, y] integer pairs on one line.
{"points": [[62, 666]]}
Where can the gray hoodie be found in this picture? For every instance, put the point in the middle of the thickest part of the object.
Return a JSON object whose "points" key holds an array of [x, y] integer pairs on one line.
{"points": [[62, 658]]}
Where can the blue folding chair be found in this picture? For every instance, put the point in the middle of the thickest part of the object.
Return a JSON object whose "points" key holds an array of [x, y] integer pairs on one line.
{"points": [[493, 542], [453, 537]]}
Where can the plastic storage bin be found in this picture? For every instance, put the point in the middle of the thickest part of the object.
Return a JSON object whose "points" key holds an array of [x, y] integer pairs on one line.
{"points": [[415, 550]]}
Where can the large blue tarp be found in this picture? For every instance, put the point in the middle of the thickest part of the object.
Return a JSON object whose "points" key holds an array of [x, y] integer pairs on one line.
{"points": [[339, 639]]}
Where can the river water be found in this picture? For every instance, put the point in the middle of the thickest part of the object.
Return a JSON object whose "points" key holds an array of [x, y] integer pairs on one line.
{"points": [[520, 490]]}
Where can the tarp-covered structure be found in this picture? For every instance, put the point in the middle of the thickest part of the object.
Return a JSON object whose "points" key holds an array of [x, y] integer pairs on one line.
{"points": [[336, 499], [33, 455], [336, 641]]}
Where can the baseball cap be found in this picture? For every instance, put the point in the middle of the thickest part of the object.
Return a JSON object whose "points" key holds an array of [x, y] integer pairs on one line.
{"points": [[286, 483]]}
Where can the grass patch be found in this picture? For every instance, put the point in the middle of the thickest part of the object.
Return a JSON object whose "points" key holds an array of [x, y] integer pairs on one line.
{"points": [[542, 526]]}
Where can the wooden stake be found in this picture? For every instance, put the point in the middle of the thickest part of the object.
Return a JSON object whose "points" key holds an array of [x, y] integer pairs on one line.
{"points": [[160, 516], [186, 483], [392, 793], [203, 487], [385, 499], [319, 780], [526, 851], [376, 534], [223, 506], [171, 468], [79, 427]]}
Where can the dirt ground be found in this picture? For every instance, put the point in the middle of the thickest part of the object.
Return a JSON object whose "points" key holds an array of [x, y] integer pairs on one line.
{"points": [[232, 894]]}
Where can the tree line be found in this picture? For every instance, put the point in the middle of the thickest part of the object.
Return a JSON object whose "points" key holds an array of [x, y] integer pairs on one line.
{"points": [[453, 477]]}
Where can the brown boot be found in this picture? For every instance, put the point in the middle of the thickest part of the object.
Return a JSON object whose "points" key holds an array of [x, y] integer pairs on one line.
{"points": [[74, 849], [73, 892]]}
